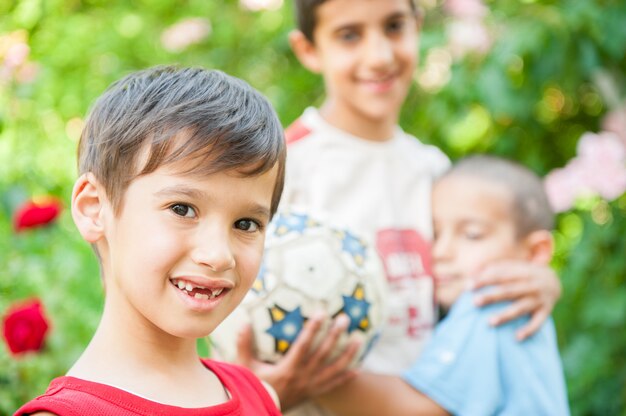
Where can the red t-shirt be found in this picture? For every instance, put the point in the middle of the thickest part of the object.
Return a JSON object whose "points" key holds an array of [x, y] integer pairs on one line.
{"points": [[73, 396]]}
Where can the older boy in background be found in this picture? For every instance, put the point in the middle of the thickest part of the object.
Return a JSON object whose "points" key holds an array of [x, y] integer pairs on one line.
{"points": [[350, 160]]}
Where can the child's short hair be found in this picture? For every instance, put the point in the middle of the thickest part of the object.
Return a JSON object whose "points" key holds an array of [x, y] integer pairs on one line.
{"points": [[306, 15], [531, 208], [225, 125]]}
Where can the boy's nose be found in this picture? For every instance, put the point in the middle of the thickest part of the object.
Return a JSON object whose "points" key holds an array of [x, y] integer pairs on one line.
{"points": [[378, 51], [213, 250], [442, 247]]}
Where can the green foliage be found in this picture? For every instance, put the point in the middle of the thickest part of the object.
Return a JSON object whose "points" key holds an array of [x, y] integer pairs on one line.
{"points": [[530, 98], [593, 311]]}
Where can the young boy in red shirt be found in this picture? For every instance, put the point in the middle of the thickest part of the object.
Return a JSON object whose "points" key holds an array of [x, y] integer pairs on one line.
{"points": [[180, 170]]}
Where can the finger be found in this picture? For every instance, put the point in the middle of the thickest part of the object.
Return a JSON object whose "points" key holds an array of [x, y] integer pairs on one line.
{"points": [[338, 371], [329, 344], [346, 358], [537, 319], [515, 310], [504, 271], [509, 291], [552, 285], [336, 381], [300, 348], [245, 355]]}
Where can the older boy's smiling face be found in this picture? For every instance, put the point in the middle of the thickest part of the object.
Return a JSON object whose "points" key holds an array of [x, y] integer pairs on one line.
{"points": [[367, 52], [184, 250]]}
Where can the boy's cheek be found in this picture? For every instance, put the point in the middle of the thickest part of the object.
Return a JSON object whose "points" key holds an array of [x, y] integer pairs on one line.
{"points": [[447, 292], [251, 260]]}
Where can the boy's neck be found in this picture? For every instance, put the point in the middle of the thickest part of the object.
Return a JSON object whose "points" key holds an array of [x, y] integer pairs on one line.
{"points": [[128, 355], [126, 344], [359, 125]]}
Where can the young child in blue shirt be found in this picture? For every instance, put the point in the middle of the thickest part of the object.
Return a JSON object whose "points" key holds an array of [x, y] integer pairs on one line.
{"points": [[485, 209]]}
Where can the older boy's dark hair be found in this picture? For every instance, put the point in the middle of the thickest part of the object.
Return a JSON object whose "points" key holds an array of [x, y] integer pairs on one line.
{"points": [[306, 15], [531, 208], [210, 120]]}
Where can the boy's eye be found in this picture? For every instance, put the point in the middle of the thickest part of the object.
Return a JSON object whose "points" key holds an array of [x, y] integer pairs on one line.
{"points": [[348, 35], [183, 210], [247, 225], [474, 234], [395, 26]]}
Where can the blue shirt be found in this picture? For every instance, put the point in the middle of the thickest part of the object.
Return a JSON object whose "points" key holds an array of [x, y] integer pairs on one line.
{"points": [[472, 368]]}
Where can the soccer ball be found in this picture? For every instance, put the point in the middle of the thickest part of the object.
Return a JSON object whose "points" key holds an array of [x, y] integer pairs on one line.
{"points": [[308, 266]]}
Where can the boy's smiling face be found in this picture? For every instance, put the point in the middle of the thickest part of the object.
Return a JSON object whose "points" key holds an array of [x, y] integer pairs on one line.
{"points": [[367, 52], [184, 249], [474, 226]]}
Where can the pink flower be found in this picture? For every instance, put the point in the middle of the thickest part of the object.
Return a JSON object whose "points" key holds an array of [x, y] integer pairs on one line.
{"points": [[24, 327], [615, 122], [562, 187], [185, 33], [473, 9], [468, 36], [604, 147], [27, 73], [36, 213], [603, 164], [256, 5], [16, 55], [608, 180], [14, 52], [599, 168]]}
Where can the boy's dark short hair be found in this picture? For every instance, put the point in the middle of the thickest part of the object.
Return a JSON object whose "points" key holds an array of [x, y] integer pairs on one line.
{"points": [[306, 15], [212, 121], [531, 208]]}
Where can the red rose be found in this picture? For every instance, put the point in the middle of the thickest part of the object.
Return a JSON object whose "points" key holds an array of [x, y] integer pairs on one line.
{"points": [[24, 327], [36, 213]]}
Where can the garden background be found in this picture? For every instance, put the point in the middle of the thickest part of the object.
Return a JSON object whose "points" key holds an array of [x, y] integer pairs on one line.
{"points": [[539, 81]]}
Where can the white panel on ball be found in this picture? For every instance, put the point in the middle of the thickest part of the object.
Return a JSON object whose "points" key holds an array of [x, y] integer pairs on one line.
{"points": [[308, 267]]}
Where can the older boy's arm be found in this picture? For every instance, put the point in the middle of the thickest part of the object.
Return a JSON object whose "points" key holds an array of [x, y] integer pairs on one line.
{"points": [[305, 371], [534, 289], [373, 394]]}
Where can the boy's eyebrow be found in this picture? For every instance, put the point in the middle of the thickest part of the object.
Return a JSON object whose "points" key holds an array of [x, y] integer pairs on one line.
{"points": [[177, 191], [260, 210], [191, 193], [397, 15], [348, 24]]}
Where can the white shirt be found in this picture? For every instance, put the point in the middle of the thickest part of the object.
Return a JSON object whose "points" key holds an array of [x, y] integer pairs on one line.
{"points": [[380, 190]]}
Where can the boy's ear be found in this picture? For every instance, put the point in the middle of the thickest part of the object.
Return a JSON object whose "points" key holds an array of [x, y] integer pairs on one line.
{"points": [[540, 245], [305, 51], [87, 207]]}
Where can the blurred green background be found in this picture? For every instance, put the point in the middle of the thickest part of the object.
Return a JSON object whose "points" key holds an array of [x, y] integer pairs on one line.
{"points": [[522, 79]]}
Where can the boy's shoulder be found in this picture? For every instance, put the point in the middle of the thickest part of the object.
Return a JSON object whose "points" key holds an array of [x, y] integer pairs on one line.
{"points": [[311, 135], [468, 326], [74, 396], [475, 319], [308, 127], [427, 155], [467, 358], [297, 131]]}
